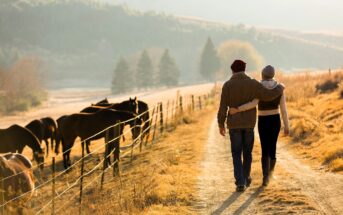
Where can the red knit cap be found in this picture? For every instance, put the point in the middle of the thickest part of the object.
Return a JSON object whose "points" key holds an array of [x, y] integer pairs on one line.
{"points": [[238, 66]]}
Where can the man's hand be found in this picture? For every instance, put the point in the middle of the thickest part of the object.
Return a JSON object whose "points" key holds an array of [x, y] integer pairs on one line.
{"points": [[286, 131], [233, 111], [222, 131]]}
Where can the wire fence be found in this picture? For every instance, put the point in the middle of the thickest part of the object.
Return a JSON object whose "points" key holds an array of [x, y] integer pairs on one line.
{"points": [[163, 115]]}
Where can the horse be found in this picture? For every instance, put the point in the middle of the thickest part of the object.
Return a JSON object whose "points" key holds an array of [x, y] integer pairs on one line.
{"points": [[133, 104], [104, 101], [130, 105], [43, 129], [15, 138], [50, 129], [17, 178], [84, 125]]}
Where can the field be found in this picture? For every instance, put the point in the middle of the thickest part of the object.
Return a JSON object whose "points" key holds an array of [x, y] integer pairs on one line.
{"points": [[315, 105], [188, 169]]}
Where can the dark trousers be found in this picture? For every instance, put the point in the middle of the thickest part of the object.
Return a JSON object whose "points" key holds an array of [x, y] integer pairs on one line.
{"points": [[269, 129], [242, 141]]}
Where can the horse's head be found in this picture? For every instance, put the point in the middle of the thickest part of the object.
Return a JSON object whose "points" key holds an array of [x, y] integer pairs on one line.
{"points": [[133, 105], [39, 157]]}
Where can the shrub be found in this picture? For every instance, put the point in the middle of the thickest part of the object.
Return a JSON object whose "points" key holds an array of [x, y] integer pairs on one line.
{"points": [[327, 86], [21, 86]]}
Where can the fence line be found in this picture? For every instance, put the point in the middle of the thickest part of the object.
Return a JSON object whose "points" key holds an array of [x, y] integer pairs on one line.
{"points": [[159, 113]]}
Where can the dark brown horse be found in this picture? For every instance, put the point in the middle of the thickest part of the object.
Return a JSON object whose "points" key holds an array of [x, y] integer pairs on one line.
{"points": [[44, 129], [17, 178], [50, 129], [84, 125], [15, 138], [133, 105], [104, 101], [130, 105]]}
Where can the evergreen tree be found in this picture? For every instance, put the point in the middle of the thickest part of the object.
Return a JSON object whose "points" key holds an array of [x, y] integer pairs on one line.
{"points": [[145, 71], [168, 71], [122, 79], [209, 62]]}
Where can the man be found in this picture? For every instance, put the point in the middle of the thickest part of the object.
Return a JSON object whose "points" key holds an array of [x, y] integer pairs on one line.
{"points": [[239, 90]]}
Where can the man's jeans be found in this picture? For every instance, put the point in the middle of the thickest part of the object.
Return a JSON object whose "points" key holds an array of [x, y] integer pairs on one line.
{"points": [[242, 140]]}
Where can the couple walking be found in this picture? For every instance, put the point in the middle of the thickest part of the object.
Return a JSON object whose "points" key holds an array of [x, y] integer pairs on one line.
{"points": [[240, 96]]}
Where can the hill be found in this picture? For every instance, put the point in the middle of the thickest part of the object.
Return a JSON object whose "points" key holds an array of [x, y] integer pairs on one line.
{"points": [[80, 42]]}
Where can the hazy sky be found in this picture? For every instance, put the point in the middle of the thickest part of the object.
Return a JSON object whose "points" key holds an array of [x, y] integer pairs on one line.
{"points": [[307, 15]]}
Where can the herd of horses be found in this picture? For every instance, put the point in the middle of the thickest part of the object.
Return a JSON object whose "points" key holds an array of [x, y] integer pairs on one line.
{"points": [[89, 124]]}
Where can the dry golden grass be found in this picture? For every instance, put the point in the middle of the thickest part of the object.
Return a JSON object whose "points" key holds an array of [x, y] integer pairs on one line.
{"points": [[160, 180], [316, 118]]}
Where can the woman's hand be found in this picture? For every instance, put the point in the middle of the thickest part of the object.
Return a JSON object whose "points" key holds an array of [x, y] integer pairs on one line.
{"points": [[286, 131], [233, 111]]}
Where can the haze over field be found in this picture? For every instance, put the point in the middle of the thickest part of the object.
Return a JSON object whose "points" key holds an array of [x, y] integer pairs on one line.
{"points": [[304, 15], [80, 42]]}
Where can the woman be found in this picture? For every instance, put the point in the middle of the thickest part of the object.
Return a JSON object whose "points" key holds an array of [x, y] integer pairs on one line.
{"points": [[269, 123]]}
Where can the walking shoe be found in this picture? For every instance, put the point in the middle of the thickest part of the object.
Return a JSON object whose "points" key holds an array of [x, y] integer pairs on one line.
{"points": [[265, 181], [240, 188], [248, 182]]}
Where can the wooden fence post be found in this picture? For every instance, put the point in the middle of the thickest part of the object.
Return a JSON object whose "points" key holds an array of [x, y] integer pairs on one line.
{"points": [[193, 107], [167, 110], [161, 118], [156, 115], [53, 186], [140, 138], [81, 178], [181, 108], [200, 103], [150, 124], [104, 165], [116, 144], [173, 112]]}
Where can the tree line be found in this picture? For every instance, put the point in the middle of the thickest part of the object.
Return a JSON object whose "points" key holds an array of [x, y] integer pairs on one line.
{"points": [[144, 75], [214, 65]]}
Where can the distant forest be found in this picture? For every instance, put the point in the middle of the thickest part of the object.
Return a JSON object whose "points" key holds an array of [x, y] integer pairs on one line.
{"points": [[80, 43]]}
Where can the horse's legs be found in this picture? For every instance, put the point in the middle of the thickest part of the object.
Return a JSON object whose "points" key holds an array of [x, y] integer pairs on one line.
{"points": [[52, 143], [47, 147], [88, 142]]}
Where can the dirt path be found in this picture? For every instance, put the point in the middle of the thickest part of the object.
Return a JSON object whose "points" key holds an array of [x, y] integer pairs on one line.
{"points": [[295, 189]]}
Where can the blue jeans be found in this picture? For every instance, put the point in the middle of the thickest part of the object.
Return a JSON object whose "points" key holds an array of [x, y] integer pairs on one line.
{"points": [[242, 140]]}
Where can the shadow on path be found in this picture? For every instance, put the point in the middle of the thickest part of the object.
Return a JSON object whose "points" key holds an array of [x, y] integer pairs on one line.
{"points": [[226, 203], [246, 204], [230, 200]]}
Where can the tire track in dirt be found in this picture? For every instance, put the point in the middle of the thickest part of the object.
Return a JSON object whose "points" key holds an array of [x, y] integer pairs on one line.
{"points": [[295, 189]]}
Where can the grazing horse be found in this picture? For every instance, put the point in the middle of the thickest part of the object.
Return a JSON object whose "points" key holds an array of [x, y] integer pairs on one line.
{"points": [[15, 138], [84, 125], [141, 108], [17, 178], [44, 129], [102, 102], [50, 129], [130, 105]]}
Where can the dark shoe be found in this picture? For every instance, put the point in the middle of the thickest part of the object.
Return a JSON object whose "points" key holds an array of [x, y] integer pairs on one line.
{"points": [[265, 181], [248, 182], [240, 188]]}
